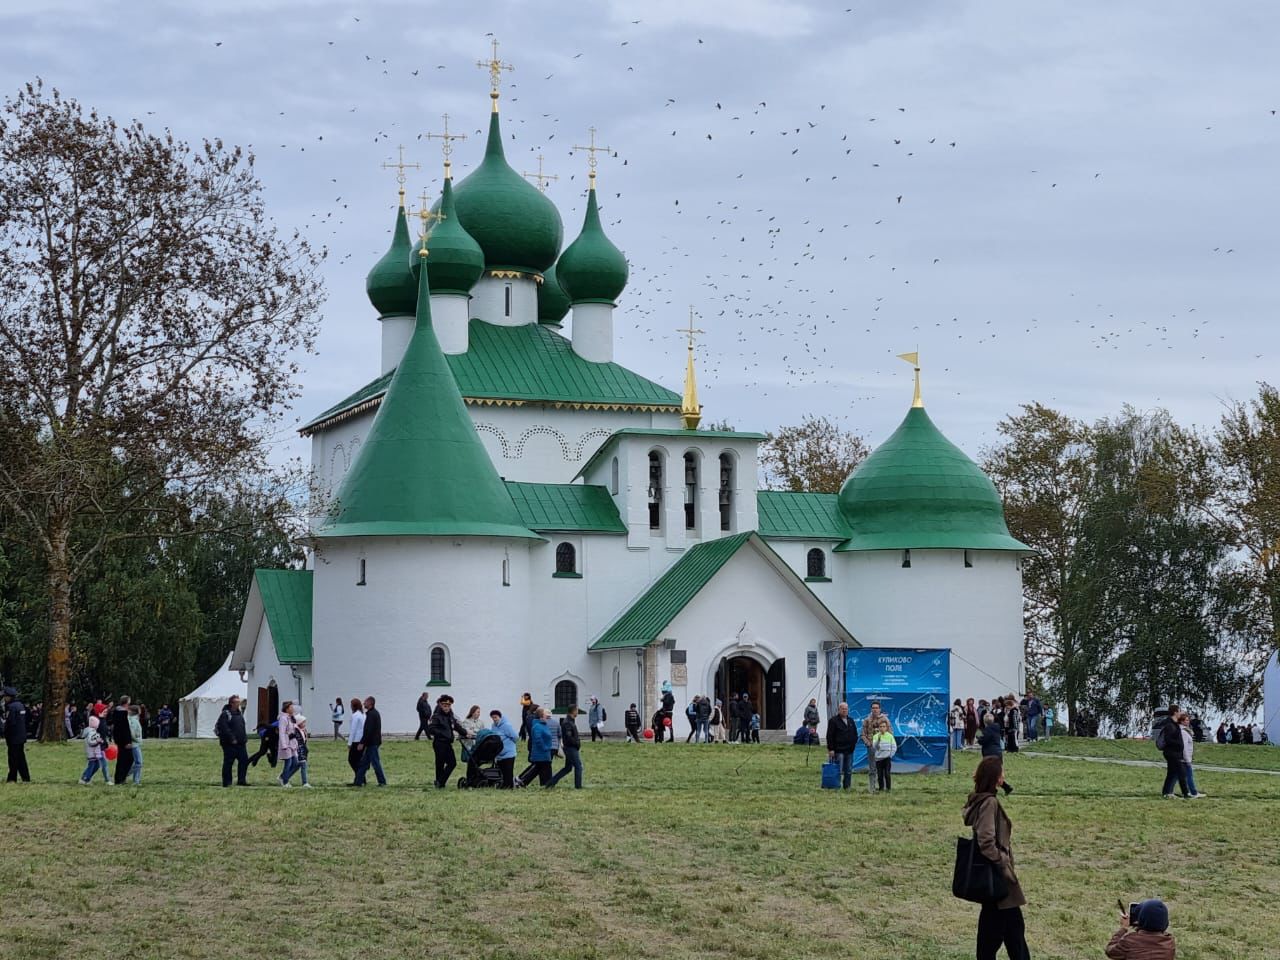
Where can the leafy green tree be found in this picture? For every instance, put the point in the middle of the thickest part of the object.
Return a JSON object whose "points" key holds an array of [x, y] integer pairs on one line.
{"points": [[150, 314], [815, 456]]}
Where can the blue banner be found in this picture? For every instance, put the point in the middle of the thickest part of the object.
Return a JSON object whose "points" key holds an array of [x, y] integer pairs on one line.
{"points": [[912, 687]]}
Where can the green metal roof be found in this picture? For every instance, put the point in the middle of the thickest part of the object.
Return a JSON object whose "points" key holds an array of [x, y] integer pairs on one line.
{"points": [[529, 363], [691, 435], [516, 225], [390, 284], [566, 507], [801, 516], [641, 624], [592, 269], [422, 470], [286, 598], [454, 259], [919, 490], [553, 302]]}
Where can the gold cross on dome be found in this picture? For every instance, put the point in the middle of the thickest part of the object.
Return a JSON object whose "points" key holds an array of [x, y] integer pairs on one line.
{"points": [[426, 215], [690, 330], [446, 147], [400, 167], [495, 68], [541, 178], [591, 150]]}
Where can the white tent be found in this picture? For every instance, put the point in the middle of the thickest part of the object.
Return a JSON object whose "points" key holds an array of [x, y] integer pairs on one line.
{"points": [[198, 710]]}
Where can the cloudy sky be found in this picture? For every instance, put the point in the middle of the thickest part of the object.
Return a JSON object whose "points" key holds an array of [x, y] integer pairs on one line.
{"points": [[1069, 202]]}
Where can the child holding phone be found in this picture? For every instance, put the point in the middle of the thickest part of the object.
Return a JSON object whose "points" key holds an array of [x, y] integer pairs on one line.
{"points": [[1143, 934]]}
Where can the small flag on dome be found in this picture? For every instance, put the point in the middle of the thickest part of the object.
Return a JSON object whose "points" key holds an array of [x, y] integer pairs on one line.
{"points": [[911, 358]]}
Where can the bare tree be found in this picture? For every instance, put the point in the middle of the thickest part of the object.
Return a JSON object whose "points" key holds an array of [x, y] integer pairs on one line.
{"points": [[816, 456], [149, 311]]}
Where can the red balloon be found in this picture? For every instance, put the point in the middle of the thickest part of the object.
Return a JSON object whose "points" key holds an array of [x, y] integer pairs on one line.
{"points": [[112, 752], [648, 734], [666, 721]]}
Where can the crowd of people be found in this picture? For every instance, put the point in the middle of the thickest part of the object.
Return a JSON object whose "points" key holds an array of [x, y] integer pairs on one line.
{"points": [[998, 725], [1228, 732], [161, 724]]}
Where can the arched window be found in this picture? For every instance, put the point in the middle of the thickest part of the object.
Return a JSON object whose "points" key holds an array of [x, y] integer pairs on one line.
{"points": [[655, 490], [566, 558], [566, 696], [613, 477], [439, 664], [726, 492], [691, 491], [816, 563], [617, 680]]}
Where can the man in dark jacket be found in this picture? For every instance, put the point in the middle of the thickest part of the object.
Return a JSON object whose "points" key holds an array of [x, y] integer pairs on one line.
{"points": [[440, 730], [424, 715], [370, 745], [15, 736], [842, 740], [703, 716], [746, 710], [733, 714], [631, 721], [571, 744], [123, 737], [231, 735], [1169, 742], [668, 713]]}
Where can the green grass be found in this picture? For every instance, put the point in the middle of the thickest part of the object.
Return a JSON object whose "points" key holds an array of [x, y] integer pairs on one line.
{"points": [[672, 853]]}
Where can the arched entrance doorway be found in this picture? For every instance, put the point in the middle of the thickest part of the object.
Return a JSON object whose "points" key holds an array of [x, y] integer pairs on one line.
{"points": [[766, 687]]}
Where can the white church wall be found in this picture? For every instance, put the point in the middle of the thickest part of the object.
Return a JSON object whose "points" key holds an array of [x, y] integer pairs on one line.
{"points": [[938, 602], [397, 331], [376, 639], [746, 610], [292, 681], [491, 302], [795, 553], [537, 443]]}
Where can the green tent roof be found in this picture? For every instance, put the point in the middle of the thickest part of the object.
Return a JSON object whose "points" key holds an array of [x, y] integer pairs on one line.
{"points": [[919, 490], [286, 599], [568, 507], [645, 619], [422, 469], [800, 516], [390, 284], [525, 364], [592, 269], [517, 227]]}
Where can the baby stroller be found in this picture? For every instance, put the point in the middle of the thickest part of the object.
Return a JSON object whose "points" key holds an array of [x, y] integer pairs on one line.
{"points": [[481, 760]]}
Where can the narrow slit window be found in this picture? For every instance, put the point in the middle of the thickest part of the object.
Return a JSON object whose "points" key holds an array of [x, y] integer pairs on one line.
{"points": [[360, 582], [968, 559], [655, 491], [690, 491], [906, 559], [506, 298], [726, 492]]}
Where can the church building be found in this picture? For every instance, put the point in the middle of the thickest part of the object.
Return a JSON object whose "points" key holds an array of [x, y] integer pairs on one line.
{"points": [[511, 509]]}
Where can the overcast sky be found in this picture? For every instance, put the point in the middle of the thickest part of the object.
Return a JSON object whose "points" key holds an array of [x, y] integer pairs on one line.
{"points": [[1073, 203]]}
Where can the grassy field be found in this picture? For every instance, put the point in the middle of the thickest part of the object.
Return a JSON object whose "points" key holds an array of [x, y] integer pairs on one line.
{"points": [[671, 852]]}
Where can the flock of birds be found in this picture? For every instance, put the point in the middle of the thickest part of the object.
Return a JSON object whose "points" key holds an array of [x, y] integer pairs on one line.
{"points": [[815, 240]]}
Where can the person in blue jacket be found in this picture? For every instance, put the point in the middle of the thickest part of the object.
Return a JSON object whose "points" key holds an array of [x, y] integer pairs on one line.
{"points": [[506, 760], [539, 749]]}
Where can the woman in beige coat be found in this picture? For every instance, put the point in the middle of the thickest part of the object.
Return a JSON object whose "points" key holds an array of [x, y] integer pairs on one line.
{"points": [[998, 923]]}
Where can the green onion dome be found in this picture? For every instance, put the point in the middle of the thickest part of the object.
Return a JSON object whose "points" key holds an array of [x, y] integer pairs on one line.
{"points": [[553, 302], [390, 284], [592, 269], [919, 490], [517, 227], [455, 261]]}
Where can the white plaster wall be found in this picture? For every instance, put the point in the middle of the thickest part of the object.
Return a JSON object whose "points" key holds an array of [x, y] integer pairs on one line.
{"points": [[488, 300], [449, 319], [538, 443], [593, 331], [796, 555], [938, 602], [747, 609], [396, 332], [266, 667], [376, 639]]}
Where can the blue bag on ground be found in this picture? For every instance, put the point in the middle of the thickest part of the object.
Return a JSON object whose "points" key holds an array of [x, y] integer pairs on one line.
{"points": [[830, 776]]}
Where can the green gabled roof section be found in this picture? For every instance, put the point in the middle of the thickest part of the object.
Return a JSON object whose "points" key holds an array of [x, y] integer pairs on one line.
{"points": [[525, 364], [566, 507], [801, 516], [645, 619], [422, 470], [918, 490], [286, 600]]}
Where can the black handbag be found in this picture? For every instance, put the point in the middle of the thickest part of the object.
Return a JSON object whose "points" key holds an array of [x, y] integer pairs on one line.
{"points": [[976, 878]]}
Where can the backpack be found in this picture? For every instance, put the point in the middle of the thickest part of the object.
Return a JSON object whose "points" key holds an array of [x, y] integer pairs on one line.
{"points": [[1162, 736]]}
